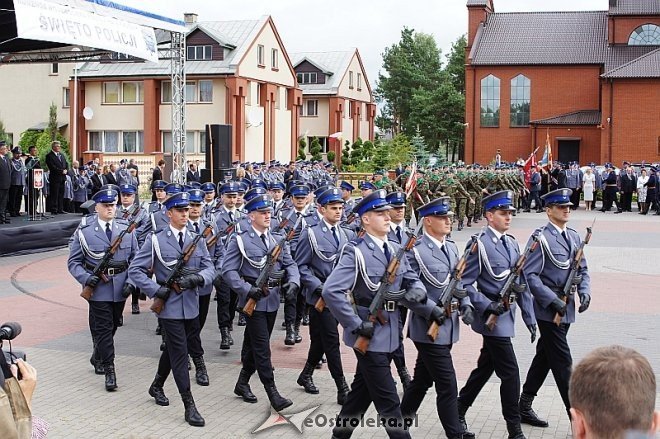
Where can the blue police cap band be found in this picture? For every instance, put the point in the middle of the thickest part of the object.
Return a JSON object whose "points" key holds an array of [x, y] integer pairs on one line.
{"points": [[347, 186], [375, 201], [438, 207], [331, 195], [559, 197], [208, 187], [260, 203], [177, 201], [196, 196], [397, 199], [499, 201], [159, 184], [367, 185], [127, 189], [106, 196]]}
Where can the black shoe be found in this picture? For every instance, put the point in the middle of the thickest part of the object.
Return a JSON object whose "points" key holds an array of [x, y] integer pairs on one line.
{"points": [[277, 401], [224, 340], [242, 387], [526, 210], [120, 322], [110, 378], [460, 226], [284, 324], [192, 416], [159, 331], [201, 375], [305, 379], [462, 410], [319, 365], [241, 320], [405, 377], [162, 345], [135, 308], [290, 338], [156, 391], [469, 223], [342, 390], [619, 211], [515, 432], [305, 319], [98, 367], [297, 338], [527, 413]]}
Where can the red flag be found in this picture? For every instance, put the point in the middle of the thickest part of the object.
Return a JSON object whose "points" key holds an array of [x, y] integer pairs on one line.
{"points": [[411, 184], [530, 163]]}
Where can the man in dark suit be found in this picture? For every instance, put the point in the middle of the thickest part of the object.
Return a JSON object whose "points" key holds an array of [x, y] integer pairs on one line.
{"points": [[156, 176], [628, 182], [193, 174], [4, 183], [111, 176], [98, 180], [57, 165]]}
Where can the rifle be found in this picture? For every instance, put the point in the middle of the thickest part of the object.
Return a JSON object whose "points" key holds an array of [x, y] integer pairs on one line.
{"points": [[386, 281], [512, 287], [158, 303], [102, 265], [271, 260], [229, 230], [349, 219], [452, 290], [132, 212], [573, 277]]}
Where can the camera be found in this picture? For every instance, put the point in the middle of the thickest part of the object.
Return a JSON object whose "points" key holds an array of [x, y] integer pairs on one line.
{"points": [[9, 331]]}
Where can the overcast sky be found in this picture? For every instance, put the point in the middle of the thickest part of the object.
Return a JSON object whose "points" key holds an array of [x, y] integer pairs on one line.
{"points": [[343, 24]]}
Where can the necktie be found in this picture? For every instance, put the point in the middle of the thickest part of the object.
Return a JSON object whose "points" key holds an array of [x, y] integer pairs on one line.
{"points": [[181, 240], [398, 233], [334, 235], [263, 239], [506, 247], [568, 242], [196, 227], [108, 232], [231, 216], [444, 250], [386, 250]]}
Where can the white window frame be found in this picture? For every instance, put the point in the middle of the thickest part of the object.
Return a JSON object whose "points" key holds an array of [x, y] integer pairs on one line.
{"points": [[66, 97], [199, 91], [120, 92], [359, 81], [261, 55], [165, 85], [304, 108], [306, 78], [105, 92], [54, 69], [192, 97], [350, 79], [139, 90], [201, 52], [102, 139], [193, 142], [274, 59]]}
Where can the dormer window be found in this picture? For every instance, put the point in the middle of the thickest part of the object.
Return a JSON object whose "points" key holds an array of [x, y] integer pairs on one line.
{"points": [[307, 78], [645, 35], [199, 53]]}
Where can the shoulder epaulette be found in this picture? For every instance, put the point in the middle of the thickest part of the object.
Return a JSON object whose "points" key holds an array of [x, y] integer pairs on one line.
{"points": [[570, 228], [122, 221]]}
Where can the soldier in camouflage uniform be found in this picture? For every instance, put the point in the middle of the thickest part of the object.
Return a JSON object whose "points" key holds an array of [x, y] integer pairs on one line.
{"points": [[465, 177], [462, 197]]}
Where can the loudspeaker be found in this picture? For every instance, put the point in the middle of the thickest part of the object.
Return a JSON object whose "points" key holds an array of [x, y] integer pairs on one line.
{"points": [[223, 175], [218, 146]]}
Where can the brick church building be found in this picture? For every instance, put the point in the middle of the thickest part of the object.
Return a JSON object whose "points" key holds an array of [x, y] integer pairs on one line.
{"points": [[589, 80]]}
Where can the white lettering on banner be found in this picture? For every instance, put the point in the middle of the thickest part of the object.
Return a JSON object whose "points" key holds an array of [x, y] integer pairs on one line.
{"points": [[46, 21]]}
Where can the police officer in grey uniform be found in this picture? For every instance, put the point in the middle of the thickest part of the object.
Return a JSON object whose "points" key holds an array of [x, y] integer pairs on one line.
{"points": [[244, 259], [359, 270], [179, 317], [209, 199], [127, 195], [318, 249], [87, 247], [226, 215], [546, 272], [156, 207], [488, 268], [435, 257]]}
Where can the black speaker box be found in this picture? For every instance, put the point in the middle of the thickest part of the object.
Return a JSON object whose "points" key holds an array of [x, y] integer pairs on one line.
{"points": [[218, 146]]}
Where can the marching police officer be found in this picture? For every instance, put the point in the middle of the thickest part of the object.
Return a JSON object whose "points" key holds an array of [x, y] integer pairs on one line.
{"points": [[87, 247], [156, 207], [546, 272], [227, 217], [489, 267], [127, 195], [245, 258], [360, 268], [398, 233], [435, 257], [179, 317], [318, 249], [209, 199]]}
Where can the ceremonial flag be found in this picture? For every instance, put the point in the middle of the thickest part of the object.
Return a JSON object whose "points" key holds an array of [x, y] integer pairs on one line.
{"points": [[546, 160], [411, 184], [530, 163]]}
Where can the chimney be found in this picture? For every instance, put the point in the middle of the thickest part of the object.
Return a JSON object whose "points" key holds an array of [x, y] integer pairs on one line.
{"points": [[478, 12], [190, 17]]}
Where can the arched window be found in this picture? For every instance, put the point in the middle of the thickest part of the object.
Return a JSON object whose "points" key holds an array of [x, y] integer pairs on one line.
{"points": [[645, 35], [520, 95], [490, 101]]}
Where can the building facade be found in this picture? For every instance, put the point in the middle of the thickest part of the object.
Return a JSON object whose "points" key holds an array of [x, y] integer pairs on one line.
{"points": [[338, 104], [588, 80]]}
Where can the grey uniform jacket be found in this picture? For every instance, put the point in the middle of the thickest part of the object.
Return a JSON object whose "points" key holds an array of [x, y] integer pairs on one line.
{"points": [[316, 256], [87, 247], [545, 272], [345, 278], [483, 287], [163, 248], [434, 269], [243, 263], [215, 251]]}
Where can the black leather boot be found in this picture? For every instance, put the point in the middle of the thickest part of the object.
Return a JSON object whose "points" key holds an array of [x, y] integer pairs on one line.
{"points": [[192, 415], [156, 391], [241, 320], [342, 390], [296, 334], [305, 319], [201, 375], [290, 338], [224, 341], [469, 223], [94, 361], [305, 379], [527, 413], [110, 377], [277, 401], [515, 431], [460, 226], [404, 376], [462, 410], [243, 389]]}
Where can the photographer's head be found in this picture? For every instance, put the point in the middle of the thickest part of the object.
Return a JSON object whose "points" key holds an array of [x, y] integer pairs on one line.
{"points": [[612, 392]]}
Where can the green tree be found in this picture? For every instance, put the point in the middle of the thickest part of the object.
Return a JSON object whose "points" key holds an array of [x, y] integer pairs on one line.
{"points": [[356, 152], [315, 149], [367, 150], [346, 156], [331, 156], [52, 121], [399, 150], [418, 149], [302, 146], [3, 134], [456, 64], [381, 155]]}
